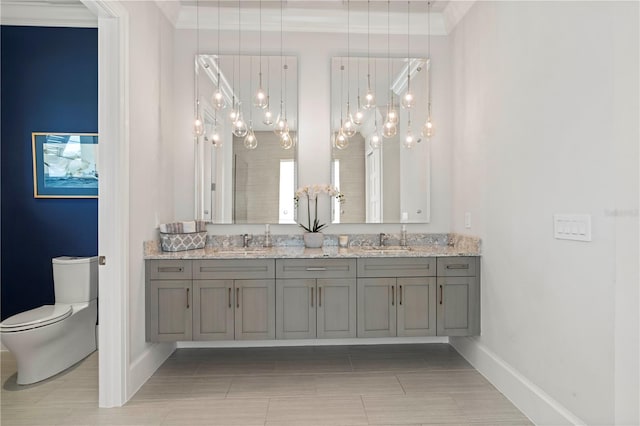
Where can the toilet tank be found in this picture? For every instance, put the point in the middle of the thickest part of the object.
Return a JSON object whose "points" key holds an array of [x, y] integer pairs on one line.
{"points": [[75, 279]]}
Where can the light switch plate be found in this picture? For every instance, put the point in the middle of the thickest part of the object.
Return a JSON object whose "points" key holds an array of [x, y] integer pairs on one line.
{"points": [[575, 227]]}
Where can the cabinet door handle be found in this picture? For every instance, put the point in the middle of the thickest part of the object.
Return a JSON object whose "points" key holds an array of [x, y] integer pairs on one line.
{"points": [[400, 295], [320, 297], [320, 268], [187, 298], [311, 296], [393, 295], [458, 266], [237, 297], [170, 269], [441, 295], [229, 297]]}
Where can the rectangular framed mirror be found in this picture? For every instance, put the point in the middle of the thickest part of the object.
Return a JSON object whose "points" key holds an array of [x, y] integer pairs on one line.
{"points": [[246, 167], [383, 173]]}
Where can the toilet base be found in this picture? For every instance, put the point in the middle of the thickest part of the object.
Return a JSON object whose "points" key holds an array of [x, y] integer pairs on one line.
{"points": [[43, 352]]}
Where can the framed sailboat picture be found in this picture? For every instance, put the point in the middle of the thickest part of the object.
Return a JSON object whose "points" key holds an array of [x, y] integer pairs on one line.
{"points": [[65, 165]]}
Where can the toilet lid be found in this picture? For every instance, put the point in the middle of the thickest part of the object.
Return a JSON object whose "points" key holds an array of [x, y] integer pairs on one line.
{"points": [[38, 317]]}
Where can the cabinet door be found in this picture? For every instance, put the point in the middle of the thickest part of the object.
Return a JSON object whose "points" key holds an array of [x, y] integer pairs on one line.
{"points": [[169, 310], [416, 306], [336, 307], [458, 306], [376, 307], [296, 308], [213, 310], [255, 302]]}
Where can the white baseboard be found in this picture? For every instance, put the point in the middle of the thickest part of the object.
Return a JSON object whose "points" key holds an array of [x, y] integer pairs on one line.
{"points": [[535, 403], [146, 364], [311, 342]]}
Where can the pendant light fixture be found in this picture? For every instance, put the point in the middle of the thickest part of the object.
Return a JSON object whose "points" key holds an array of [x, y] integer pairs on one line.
{"points": [[267, 118], [370, 96], [358, 117], [239, 125], [250, 141], [198, 123], [349, 127], [375, 140], [428, 129], [216, 139], [281, 125], [408, 99], [390, 126], [233, 112], [260, 99], [409, 140], [341, 140], [218, 97]]}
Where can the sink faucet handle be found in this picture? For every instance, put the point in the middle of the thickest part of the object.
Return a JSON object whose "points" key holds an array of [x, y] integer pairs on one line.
{"points": [[383, 238], [245, 240]]}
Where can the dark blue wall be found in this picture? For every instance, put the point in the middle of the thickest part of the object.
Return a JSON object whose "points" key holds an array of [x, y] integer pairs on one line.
{"points": [[49, 84]]}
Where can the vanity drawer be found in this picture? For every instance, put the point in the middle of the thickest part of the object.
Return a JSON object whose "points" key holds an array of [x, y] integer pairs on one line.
{"points": [[234, 269], [457, 266], [315, 268], [166, 269], [396, 267]]}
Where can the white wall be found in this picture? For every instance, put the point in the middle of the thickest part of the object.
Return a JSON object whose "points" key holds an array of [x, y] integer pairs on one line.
{"points": [[314, 52], [151, 166], [545, 103]]}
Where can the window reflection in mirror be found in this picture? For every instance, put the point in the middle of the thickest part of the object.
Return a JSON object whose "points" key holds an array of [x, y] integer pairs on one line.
{"points": [[388, 181], [246, 175]]}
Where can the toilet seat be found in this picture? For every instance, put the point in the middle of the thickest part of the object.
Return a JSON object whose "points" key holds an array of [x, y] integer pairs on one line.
{"points": [[35, 318]]}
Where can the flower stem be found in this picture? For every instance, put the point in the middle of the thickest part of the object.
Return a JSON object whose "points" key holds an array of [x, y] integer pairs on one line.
{"points": [[308, 212]]}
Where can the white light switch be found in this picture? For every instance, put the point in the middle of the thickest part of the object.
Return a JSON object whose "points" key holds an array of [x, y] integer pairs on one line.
{"points": [[572, 227], [467, 220]]}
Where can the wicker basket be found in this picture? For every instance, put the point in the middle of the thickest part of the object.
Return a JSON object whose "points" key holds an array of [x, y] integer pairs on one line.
{"points": [[181, 242]]}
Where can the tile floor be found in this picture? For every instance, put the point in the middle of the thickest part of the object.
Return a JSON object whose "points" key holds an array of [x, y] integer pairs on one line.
{"points": [[322, 385]]}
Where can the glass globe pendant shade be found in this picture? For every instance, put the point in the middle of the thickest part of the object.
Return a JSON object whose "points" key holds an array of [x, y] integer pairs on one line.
{"points": [[267, 118], [358, 117], [392, 115], [375, 140], [428, 129], [198, 125], [369, 100], [233, 114], [216, 139], [341, 141], [250, 141], [286, 141], [240, 126], [409, 140], [389, 129], [281, 126], [218, 100], [408, 100], [349, 126], [260, 99]]}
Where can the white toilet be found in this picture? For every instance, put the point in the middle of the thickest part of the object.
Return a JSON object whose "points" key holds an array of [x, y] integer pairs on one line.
{"points": [[51, 338]]}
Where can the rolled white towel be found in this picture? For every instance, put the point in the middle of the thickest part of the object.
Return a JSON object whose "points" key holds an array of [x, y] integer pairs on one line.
{"points": [[189, 226]]}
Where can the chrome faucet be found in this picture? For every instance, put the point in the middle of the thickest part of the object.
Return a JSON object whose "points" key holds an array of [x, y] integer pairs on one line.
{"points": [[383, 238], [245, 240]]}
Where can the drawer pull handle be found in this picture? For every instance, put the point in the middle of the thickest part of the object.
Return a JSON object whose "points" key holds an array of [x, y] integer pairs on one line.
{"points": [[312, 297], [400, 296], [237, 297], [320, 297], [320, 268], [441, 295], [187, 298], [170, 268], [458, 266], [393, 295], [229, 297]]}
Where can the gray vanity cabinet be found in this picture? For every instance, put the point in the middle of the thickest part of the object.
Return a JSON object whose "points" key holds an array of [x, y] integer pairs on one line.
{"points": [[396, 297], [458, 296], [169, 300], [315, 298], [234, 299]]}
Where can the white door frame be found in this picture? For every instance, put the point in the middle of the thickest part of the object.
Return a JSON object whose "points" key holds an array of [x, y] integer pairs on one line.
{"points": [[113, 201]]}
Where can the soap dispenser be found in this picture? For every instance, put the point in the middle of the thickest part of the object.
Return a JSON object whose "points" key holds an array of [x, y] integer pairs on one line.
{"points": [[267, 236]]}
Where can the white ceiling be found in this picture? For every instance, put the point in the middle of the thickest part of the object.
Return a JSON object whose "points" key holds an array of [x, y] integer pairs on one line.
{"points": [[299, 15]]}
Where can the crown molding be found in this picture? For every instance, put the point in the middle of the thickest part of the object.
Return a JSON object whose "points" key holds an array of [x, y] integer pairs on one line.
{"points": [[44, 14]]}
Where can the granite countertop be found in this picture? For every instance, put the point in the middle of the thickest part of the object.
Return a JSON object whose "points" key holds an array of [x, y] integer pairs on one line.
{"points": [[427, 245]]}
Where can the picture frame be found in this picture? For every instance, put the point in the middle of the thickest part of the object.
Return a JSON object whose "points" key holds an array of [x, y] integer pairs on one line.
{"points": [[65, 165]]}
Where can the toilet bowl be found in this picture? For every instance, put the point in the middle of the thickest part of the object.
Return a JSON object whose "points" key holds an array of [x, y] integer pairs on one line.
{"points": [[51, 338]]}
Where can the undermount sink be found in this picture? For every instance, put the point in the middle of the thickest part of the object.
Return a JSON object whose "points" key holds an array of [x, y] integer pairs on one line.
{"points": [[386, 249]]}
